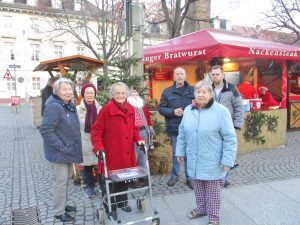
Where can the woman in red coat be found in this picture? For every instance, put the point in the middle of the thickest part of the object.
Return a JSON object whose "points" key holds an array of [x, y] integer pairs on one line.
{"points": [[114, 132]]}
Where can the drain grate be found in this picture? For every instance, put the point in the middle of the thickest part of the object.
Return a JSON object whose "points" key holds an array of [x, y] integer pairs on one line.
{"points": [[29, 216]]}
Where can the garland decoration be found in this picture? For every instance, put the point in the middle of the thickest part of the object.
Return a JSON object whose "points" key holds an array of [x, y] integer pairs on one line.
{"points": [[254, 123]]}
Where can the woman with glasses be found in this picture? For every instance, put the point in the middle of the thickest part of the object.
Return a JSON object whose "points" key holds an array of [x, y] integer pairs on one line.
{"points": [[115, 133], [60, 131]]}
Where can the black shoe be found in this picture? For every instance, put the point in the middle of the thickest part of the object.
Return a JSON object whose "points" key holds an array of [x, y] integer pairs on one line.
{"points": [[189, 183], [227, 184], [70, 208], [172, 181], [114, 215], [127, 208], [64, 217]]}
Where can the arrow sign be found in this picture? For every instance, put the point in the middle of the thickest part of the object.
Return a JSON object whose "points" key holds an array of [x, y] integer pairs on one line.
{"points": [[14, 66], [7, 74]]}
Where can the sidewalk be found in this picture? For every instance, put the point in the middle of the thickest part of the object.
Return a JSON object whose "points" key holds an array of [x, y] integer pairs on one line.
{"points": [[265, 190]]}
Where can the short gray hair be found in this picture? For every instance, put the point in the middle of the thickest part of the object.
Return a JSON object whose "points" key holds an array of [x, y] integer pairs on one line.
{"points": [[120, 84], [204, 84], [179, 68], [60, 81]]}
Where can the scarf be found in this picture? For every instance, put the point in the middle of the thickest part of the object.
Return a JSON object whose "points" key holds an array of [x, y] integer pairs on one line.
{"points": [[90, 117]]}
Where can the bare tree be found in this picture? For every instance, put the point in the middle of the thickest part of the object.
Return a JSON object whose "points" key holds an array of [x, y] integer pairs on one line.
{"points": [[282, 16], [171, 12], [94, 23]]}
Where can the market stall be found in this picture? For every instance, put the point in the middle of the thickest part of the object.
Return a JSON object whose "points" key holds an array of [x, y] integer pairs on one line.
{"points": [[267, 62]]}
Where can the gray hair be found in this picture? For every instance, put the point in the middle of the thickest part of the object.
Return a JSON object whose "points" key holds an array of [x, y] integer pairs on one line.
{"points": [[60, 81], [113, 87], [179, 68], [204, 84]]}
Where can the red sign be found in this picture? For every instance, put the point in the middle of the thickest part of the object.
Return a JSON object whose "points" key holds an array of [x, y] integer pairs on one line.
{"points": [[7, 74]]}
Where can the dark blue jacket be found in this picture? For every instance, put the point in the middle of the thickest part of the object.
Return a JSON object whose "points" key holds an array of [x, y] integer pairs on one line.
{"points": [[172, 99], [60, 131]]}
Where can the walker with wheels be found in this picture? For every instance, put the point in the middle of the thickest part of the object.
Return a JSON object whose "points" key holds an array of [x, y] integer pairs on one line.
{"points": [[140, 197]]}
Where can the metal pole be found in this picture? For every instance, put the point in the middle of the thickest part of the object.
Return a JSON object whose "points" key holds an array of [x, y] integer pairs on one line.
{"points": [[15, 74]]}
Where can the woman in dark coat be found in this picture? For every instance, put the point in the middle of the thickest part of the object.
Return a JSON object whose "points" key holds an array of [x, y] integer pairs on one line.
{"points": [[114, 132], [60, 131]]}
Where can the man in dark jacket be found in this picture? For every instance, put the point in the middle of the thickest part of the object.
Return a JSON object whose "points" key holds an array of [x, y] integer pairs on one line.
{"points": [[228, 95], [173, 101], [47, 92]]}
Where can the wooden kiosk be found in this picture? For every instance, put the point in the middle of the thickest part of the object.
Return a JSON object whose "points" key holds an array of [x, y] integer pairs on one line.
{"points": [[268, 62], [63, 65]]}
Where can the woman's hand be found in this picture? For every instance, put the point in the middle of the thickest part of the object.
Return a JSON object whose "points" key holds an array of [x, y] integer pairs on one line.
{"points": [[227, 168], [180, 159], [142, 142]]}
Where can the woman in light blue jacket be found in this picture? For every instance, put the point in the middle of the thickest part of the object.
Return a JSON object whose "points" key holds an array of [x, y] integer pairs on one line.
{"points": [[208, 139]]}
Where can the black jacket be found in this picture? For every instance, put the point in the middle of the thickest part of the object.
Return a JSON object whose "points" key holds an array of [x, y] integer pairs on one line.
{"points": [[46, 93], [172, 99]]}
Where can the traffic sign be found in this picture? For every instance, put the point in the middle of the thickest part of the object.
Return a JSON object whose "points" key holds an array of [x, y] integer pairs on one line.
{"points": [[7, 74], [14, 66]]}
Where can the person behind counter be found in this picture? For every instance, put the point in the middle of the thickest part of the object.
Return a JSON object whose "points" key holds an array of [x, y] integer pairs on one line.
{"points": [[266, 97], [246, 89]]}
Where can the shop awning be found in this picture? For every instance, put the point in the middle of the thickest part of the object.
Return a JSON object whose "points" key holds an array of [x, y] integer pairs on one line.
{"points": [[207, 44]]}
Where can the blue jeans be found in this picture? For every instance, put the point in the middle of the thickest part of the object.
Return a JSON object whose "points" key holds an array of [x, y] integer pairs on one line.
{"points": [[176, 164]]}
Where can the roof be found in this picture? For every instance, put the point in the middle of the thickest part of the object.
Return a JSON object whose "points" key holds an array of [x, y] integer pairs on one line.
{"points": [[210, 43], [53, 65]]}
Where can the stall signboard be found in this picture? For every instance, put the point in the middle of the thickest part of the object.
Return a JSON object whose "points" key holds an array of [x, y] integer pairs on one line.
{"points": [[207, 44], [15, 100]]}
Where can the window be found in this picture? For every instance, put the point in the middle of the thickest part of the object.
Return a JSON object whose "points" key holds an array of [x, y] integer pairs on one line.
{"points": [[80, 50], [58, 51], [20, 1], [9, 50], [8, 22], [35, 52], [36, 83], [155, 28], [34, 25], [11, 84]]}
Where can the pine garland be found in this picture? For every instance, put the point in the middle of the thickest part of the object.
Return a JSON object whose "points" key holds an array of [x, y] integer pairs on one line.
{"points": [[254, 123]]}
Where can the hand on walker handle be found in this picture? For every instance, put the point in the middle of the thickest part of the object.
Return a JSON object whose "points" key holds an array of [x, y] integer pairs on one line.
{"points": [[180, 159], [142, 142]]}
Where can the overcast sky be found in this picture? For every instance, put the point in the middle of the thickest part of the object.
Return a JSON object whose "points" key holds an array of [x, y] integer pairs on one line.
{"points": [[240, 12]]}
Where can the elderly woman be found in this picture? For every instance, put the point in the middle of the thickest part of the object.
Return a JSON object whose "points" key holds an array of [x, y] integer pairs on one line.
{"points": [[207, 138], [115, 133], [87, 112], [60, 131]]}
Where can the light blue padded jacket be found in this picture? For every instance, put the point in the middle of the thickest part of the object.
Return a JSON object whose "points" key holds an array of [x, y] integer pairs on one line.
{"points": [[208, 139]]}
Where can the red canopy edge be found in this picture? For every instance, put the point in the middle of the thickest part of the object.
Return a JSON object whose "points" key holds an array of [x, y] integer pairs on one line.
{"points": [[205, 44]]}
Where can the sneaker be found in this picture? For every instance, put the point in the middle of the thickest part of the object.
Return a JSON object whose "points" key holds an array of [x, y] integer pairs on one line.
{"points": [[70, 208], [227, 184], [127, 208], [189, 183], [172, 181]]}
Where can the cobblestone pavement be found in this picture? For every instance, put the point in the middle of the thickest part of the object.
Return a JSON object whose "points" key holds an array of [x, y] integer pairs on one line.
{"points": [[25, 176]]}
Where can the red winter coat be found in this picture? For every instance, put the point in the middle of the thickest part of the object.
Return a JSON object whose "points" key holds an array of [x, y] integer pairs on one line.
{"points": [[268, 100], [114, 132], [247, 91]]}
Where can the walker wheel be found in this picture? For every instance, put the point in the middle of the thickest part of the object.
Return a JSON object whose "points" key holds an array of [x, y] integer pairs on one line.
{"points": [[155, 221], [100, 215], [140, 204]]}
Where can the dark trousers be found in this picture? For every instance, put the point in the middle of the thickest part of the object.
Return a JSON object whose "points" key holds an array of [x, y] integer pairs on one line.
{"points": [[118, 201], [88, 176]]}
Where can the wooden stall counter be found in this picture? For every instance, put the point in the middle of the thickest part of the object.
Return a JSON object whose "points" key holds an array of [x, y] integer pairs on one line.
{"points": [[272, 139], [294, 111]]}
